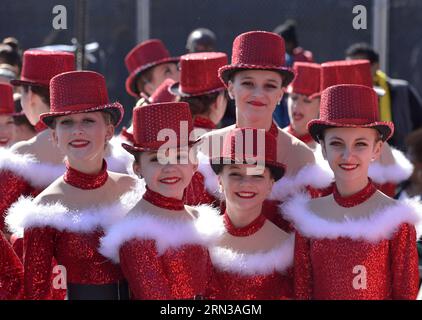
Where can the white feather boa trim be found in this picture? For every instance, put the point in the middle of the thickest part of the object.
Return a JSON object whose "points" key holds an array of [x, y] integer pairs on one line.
{"points": [[38, 174], [318, 176], [166, 232], [25, 213], [395, 173], [379, 226], [260, 263]]}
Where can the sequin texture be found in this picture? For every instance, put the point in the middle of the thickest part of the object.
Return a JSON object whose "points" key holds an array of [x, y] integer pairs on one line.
{"points": [[161, 201], [179, 273], [344, 268], [77, 252], [355, 199]]}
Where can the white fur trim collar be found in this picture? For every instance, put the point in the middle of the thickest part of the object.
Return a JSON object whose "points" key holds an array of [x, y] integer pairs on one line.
{"points": [[395, 173], [318, 176], [38, 174], [210, 178], [260, 263], [167, 233], [25, 213], [119, 160], [380, 225]]}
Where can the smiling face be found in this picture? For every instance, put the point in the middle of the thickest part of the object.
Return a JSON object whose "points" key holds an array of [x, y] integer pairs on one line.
{"points": [[243, 190], [256, 93], [82, 137], [349, 151], [7, 130], [301, 111], [169, 180]]}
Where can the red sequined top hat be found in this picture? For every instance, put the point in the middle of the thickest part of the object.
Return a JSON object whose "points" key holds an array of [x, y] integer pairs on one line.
{"points": [[162, 93], [79, 92], [349, 106], [249, 145], [259, 50], [39, 67], [199, 74], [145, 55], [172, 119], [307, 80], [7, 106], [347, 72]]}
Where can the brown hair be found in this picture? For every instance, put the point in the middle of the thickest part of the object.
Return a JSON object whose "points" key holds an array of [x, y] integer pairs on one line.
{"points": [[200, 104]]}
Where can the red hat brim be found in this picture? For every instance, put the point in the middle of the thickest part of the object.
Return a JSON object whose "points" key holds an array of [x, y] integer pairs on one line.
{"points": [[225, 72], [278, 168], [174, 89], [132, 149], [130, 81], [115, 109], [317, 126]]}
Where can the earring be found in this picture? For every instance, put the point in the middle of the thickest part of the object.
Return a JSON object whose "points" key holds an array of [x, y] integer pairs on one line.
{"points": [[220, 189]]}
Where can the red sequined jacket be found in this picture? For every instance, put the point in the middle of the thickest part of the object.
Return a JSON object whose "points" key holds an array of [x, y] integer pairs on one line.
{"points": [[254, 276], [11, 272], [165, 258], [71, 237], [361, 259]]}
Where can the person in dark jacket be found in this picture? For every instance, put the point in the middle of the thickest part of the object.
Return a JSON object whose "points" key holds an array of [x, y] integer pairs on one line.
{"points": [[401, 103]]}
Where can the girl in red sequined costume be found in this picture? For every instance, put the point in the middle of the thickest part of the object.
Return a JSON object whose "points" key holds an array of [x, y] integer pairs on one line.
{"points": [[11, 272], [256, 80], [391, 167], [28, 167], [253, 259], [200, 87], [67, 219], [162, 244], [356, 243]]}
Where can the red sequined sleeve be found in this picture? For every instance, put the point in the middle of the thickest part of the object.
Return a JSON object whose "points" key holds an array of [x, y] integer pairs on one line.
{"points": [[38, 254], [11, 272], [11, 187], [404, 257], [141, 266], [196, 193], [302, 268]]}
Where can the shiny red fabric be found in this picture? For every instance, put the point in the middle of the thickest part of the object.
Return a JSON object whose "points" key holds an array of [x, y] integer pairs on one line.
{"points": [[196, 193], [12, 187], [274, 286], [11, 272], [344, 268], [179, 273]]}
